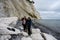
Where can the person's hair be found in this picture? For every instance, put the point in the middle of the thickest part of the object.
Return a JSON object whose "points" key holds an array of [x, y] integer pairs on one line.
{"points": [[29, 18]]}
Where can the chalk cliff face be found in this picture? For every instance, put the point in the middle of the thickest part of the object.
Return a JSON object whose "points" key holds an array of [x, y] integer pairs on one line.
{"points": [[19, 8]]}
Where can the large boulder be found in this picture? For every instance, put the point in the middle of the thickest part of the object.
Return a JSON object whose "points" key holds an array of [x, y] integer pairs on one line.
{"points": [[49, 37], [8, 20], [36, 34], [35, 31], [37, 37]]}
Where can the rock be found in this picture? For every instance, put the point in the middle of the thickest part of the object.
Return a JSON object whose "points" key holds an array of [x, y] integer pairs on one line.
{"points": [[35, 31], [8, 20], [5, 37], [26, 38], [36, 37], [4, 29], [21, 27], [49, 37], [24, 33], [1, 10]]}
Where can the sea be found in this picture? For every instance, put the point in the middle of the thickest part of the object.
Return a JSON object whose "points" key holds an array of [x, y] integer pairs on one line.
{"points": [[52, 24]]}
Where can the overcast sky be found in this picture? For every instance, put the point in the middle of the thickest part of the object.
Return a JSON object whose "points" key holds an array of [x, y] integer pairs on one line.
{"points": [[49, 9]]}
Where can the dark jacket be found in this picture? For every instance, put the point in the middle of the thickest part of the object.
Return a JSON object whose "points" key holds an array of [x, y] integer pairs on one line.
{"points": [[29, 22]]}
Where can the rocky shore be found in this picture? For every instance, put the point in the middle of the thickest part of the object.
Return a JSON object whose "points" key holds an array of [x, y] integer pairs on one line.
{"points": [[9, 32]]}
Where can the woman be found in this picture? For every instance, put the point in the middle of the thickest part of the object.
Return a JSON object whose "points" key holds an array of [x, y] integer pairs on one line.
{"points": [[24, 23]]}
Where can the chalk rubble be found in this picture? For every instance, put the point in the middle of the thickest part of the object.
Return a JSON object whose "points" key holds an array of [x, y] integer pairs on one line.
{"points": [[5, 29], [5, 37]]}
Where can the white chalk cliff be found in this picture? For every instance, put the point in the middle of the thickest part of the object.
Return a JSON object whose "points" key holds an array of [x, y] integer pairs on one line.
{"points": [[19, 8]]}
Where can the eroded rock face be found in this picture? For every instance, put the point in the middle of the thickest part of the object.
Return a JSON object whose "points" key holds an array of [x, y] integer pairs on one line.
{"points": [[19, 8]]}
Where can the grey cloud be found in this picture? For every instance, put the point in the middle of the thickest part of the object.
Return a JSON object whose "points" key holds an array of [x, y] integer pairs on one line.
{"points": [[48, 5]]}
